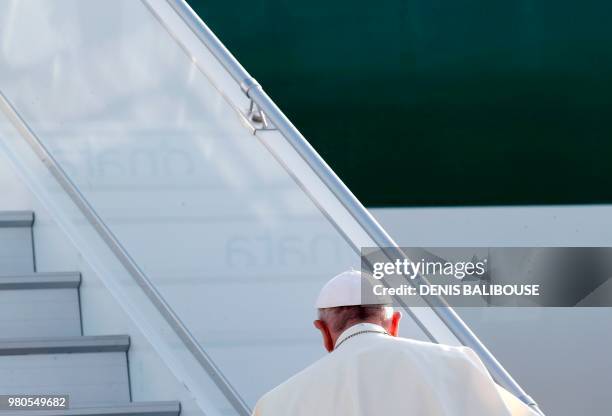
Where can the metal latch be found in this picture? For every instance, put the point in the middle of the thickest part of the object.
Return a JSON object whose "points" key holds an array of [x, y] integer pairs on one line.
{"points": [[258, 118], [255, 116]]}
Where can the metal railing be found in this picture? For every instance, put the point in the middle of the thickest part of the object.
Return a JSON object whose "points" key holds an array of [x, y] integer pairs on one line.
{"points": [[255, 92], [123, 256]]}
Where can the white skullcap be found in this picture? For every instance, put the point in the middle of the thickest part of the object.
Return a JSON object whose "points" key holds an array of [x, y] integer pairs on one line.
{"points": [[346, 290]]}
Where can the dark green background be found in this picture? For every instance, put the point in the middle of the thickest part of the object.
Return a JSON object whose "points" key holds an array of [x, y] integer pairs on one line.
{"points": [[439, 102]]}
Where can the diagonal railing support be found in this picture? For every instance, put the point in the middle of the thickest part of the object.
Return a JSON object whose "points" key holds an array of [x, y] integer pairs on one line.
{"points": [[255, 93]]}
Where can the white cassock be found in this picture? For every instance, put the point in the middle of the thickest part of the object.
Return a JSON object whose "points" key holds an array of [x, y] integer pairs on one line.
{"points": [[371, 373]]}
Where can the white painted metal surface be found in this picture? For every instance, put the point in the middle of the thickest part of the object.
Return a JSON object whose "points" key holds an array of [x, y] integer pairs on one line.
{"points": [[16, 255]]}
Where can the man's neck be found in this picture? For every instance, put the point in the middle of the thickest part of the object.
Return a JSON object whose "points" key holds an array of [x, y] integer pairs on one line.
{"points": [[359, 327]]}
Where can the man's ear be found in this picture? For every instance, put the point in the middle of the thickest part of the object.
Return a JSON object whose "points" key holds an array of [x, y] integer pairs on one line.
{"points": [[328, 342], [394, 326]]}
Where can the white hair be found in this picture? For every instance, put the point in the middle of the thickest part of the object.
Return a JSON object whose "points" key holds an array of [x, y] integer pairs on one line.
{"points": [[341, 317]]}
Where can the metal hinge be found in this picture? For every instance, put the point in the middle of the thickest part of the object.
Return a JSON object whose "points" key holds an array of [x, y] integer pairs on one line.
{"points": [[258, 119], [255, 117]]}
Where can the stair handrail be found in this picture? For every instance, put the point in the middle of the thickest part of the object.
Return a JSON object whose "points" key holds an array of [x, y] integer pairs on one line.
{"points": [[124, 257], [362, 216]]}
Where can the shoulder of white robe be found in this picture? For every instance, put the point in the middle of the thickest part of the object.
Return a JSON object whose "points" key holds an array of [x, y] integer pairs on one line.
{"points": [[514, 405]]}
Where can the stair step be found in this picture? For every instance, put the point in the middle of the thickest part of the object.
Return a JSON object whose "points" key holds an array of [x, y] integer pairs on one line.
{"points": [[65, 345], [16, 219], [16, 250], [92, 370], [128, 409], [56, 280], [40, 305]]}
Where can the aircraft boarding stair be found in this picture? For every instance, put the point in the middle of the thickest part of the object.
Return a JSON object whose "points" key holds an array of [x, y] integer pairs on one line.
{"points": [[43, 350]]}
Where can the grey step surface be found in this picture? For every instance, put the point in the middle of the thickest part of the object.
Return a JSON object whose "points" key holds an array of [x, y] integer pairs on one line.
{"points": [[16, 247], [127, 409], [53, 280], [9, 219], [40, 305], [65, 345], [92, 370]]}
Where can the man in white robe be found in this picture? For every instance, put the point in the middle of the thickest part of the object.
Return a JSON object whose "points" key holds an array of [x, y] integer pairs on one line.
{"points": [[370, 371]]}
